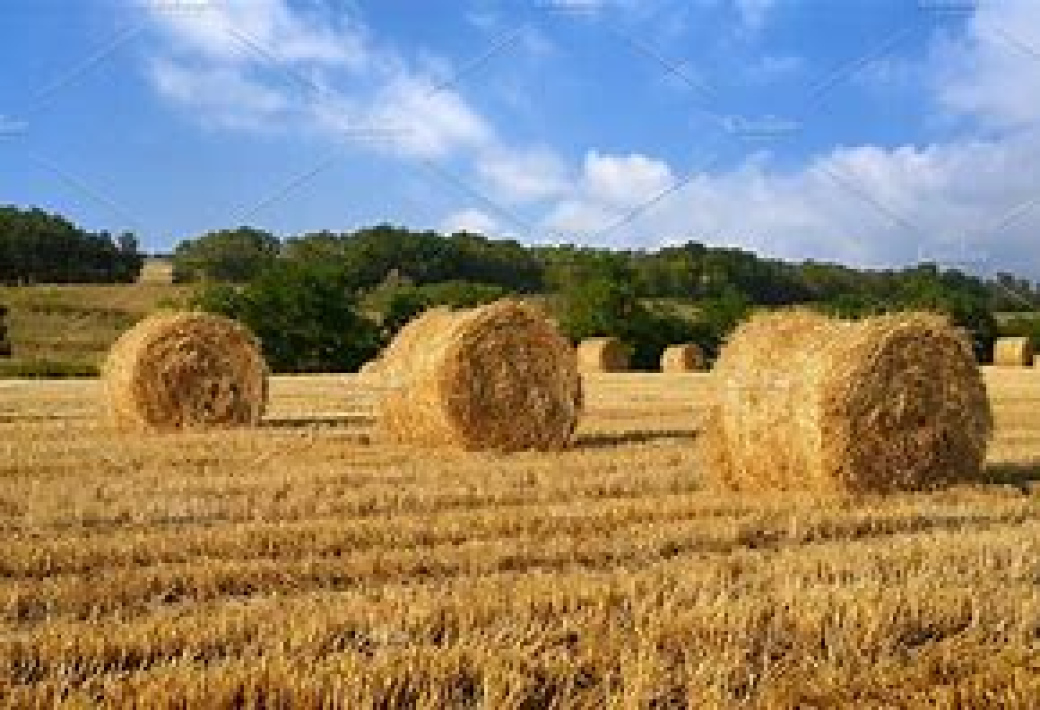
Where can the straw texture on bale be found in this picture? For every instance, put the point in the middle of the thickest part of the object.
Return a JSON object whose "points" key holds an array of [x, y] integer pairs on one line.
{"points": [[182, 370], [603, 355], [806, 402], [1013, 352], [499, 377], [683, 358]]}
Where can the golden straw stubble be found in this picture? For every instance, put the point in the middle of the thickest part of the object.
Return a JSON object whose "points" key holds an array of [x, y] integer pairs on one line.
{"points": [[803, 401], [178, 370], [499, 377]]}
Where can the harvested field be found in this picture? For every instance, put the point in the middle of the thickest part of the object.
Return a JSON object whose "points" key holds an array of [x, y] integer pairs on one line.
{"points": [[304, 560]]}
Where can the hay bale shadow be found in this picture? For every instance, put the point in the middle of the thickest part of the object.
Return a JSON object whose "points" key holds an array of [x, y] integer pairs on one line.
{"points": [[608, 441], [328, 420], [1023, 475]]}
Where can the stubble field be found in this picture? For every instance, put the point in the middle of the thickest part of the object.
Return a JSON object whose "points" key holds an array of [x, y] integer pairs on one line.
{"points": [[306, 564]]}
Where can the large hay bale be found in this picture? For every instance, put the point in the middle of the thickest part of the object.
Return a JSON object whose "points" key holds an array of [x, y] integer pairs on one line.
{"points": [[181, 370], [603, 355], [683, 358], [1013, 352], [499, 377], [803, 401]]}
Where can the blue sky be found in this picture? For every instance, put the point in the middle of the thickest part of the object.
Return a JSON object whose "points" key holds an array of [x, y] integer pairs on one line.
{"points": [[874, 132]]}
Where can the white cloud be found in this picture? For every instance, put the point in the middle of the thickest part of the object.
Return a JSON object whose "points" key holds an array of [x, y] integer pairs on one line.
{"points": [[221, 97], [992, 73], [245, 63], [523, 175], [472, 220], [431, 123], [625, 181], [580, 220], [863, 205], [237, 30]]}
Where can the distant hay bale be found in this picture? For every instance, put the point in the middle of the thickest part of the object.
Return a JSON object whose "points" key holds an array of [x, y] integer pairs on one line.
{"points": [[182, 370], [499, 377], [803, 401], [1013, 352], [369, 368], [603, 355], [683, 358]]}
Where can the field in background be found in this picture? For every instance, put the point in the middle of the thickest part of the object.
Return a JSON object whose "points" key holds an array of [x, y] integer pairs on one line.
{"points": [[305, 558], [156, 271], [72, 327]]}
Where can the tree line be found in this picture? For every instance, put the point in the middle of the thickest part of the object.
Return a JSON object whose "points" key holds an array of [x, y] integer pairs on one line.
{"points": [[690, 271], [308, 295], [691, 292], [40, 247]]}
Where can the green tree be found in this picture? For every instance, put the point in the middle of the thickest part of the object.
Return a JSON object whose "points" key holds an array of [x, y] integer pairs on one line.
{"points": [[400, 304], [306, 317], [229, 255], [606, 303]]}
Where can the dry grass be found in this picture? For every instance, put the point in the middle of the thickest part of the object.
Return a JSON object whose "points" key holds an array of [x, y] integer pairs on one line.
{"points": [[156, 271], [78, 324], [304, 561]]}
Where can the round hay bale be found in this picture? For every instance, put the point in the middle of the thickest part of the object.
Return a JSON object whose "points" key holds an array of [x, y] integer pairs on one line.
{"points": [[499, 377], [683, 358], [806, 402], [1013, 352], [182, 370], [369, 368], [603, 355]]}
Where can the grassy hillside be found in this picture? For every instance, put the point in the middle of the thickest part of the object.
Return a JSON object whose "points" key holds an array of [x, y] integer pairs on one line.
{"points": [[68, 329]]}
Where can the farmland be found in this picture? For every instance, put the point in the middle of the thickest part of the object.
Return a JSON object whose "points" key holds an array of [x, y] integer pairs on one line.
{"points": [[306, 560]]}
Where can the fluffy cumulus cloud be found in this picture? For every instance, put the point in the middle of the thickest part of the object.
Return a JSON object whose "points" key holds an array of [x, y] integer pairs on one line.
{"points": [[992, 73], [263, 64], [523, 175], [625, 181], [966, 204], [969, 202]]}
